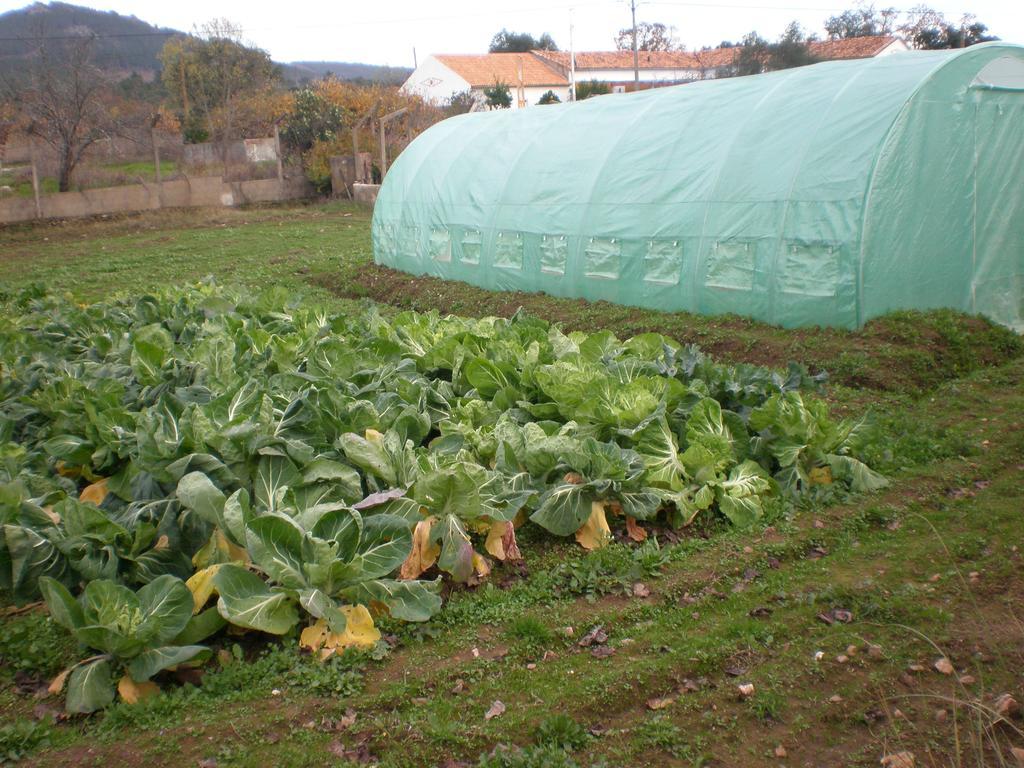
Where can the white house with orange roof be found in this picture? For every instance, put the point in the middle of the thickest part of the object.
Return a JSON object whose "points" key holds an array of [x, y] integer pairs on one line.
{"points": [[530, 75]]}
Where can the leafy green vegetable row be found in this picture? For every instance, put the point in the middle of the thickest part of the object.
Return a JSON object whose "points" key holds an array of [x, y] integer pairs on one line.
{"points": [[280, 458]]}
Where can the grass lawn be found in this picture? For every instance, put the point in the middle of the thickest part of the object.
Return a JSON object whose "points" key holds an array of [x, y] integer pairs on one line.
{"points": [[834, 615]]}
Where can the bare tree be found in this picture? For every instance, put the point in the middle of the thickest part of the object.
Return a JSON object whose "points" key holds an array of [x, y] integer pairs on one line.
{"points": [[650, 36], [62, 99]]}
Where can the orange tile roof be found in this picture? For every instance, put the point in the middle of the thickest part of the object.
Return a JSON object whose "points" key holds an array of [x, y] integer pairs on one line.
{"points": [[483, 69], [851, 47], [621, 59]]}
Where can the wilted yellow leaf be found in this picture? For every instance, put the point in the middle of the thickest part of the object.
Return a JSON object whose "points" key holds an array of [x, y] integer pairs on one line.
{"points": [[133, 692], [374, 436], [636, 533], [57, 684], [219, 549], [65, 471], [94, 493], [595, 533], [201, 584], [359, 633], [481, 568], [820, 475], [423, 553], [501, 541]]}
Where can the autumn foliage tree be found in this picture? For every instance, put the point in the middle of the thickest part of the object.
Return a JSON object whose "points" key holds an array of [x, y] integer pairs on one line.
{"points": [[323, 116], [215, 81]]}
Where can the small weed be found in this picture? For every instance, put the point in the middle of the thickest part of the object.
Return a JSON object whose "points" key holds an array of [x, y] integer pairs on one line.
{"points": [[530, 634], [32, 642], [768, 705], [22, 737], [529, 757], [660, 733], [561, 731]]}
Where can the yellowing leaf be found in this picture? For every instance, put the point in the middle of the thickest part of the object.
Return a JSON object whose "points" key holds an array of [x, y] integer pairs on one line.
{"points": [[219, 549], [201, 584], [65, 471], [52, 515], [480, 566], [94, 493], [423, 553], [359, 633], [820, 475], [374, 436], [633, 529], [501, 542], [133, 692], [57, 684], [595, 533]]}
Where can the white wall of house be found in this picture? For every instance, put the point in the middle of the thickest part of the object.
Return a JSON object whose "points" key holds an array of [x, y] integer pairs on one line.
{"points": [[896, 46], [532, 94], [434, 82], [646, 75]]}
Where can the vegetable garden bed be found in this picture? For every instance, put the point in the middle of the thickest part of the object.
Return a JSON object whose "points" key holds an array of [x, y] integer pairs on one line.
{"points": [[194, 459]]}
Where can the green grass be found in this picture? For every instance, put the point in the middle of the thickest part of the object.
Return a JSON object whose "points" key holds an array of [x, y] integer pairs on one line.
{"points": [[726, 606], [104, 175], [254, 248]]}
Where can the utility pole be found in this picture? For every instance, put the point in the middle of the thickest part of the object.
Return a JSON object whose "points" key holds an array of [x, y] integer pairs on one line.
{"points": [[572, 62], [636, 56]]}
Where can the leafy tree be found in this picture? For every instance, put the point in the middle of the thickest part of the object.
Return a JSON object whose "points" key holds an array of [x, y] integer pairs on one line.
{"points": [[757, 55], [791, 49], [650, 36], [549, 98], [313, 118], [460, 102], [587, 88], [751, 58], [927, 29], [521, 42], [498, 96], [208, 74], [862, 21]]}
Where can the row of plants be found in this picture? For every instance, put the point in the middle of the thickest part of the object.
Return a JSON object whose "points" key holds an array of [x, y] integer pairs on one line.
{"points": [[195, 459]]}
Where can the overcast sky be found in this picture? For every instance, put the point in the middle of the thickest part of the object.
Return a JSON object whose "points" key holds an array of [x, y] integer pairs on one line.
{"points": [[386, 31]]}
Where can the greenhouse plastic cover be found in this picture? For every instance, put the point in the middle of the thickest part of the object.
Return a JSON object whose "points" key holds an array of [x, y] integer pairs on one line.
{"points": [[823, 195]]}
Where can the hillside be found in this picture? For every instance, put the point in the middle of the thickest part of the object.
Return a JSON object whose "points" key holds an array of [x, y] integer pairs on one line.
{"points": [[128, 44], [303, 71]]}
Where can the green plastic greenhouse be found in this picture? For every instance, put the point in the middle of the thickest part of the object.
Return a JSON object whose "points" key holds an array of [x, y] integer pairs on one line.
{"points": [[824, 195]]}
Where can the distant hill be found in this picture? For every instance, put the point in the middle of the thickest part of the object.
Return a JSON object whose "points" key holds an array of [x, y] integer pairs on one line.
{"points": [[304, 71], [127, 44]]}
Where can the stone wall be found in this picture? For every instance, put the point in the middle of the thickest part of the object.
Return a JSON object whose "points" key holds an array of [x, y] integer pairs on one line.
{"points": [[197, 191]]}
